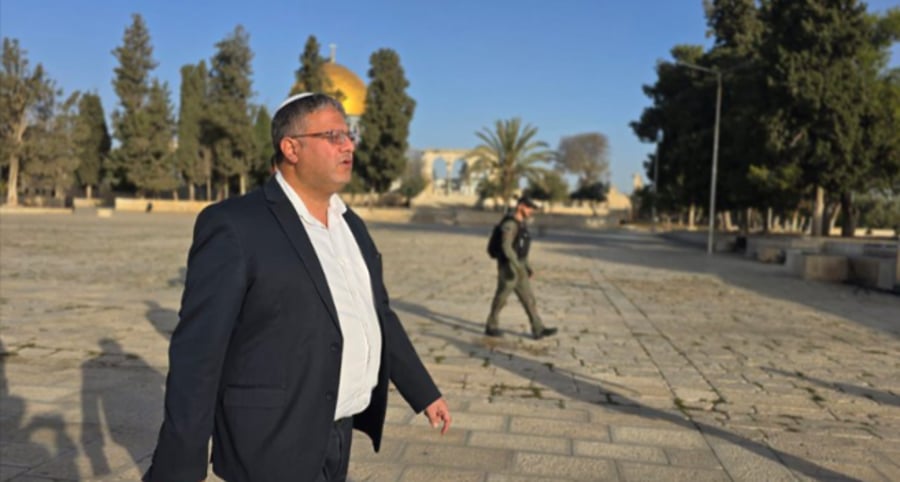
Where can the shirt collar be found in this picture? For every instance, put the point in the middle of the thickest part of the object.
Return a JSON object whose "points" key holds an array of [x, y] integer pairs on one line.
{"points": [[335, 204]]}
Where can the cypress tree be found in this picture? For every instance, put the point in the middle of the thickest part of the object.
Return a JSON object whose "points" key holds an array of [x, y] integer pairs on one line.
{"points": [[132, 85], [381, 156], [192, 159], [231, 130], [309, 77], [93, 143], [160, 172], [262, 138]]}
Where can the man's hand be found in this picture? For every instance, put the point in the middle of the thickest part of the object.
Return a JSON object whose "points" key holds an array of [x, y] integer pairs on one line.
{"points": [[438, 412]]}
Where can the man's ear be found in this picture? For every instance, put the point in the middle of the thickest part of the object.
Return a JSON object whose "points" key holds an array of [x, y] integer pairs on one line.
{"points": [[289, 150]]}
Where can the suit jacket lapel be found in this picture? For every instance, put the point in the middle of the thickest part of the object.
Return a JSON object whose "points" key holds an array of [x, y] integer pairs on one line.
{"points": [[296, 233], [369, 254], [359, 234]]}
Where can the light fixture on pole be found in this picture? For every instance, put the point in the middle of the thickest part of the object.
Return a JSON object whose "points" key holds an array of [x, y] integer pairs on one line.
{"points": [[655, 186], [715, 156]]}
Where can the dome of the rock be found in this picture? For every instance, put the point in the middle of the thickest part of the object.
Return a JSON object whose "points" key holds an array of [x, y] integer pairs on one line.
{"points": [[351, 86]]}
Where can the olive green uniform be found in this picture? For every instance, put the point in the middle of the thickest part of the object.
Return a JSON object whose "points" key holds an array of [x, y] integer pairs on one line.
{"points": [[513, 273]]}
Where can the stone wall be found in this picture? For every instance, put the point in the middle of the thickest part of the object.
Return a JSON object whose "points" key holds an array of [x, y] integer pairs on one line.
{"points": [[867, 262], [159, 205], [897, 273]]}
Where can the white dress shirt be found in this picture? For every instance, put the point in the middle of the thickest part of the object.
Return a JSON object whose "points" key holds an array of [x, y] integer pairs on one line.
{"points": [[351, 289]]}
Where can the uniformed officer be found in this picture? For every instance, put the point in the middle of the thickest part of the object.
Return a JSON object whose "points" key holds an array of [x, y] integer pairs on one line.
{"points": [[514, 272]]}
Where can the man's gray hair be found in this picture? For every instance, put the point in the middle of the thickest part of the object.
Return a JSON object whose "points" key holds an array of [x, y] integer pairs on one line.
{"points": [[291, 114]]}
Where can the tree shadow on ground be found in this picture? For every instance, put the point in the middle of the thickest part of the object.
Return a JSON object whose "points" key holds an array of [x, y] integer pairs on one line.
{"points": [[878, 396], [593, 391], [649, 250], [769, 280]]}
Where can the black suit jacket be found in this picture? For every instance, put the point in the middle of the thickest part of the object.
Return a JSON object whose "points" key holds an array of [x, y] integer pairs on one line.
{"points": [[255, 360]]}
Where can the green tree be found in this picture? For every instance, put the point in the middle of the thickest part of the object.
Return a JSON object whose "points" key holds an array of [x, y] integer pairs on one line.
{"points": [[412, 185], [156, 170], [879, 210], [487, 189], [230, 92], [381, 155], [24, 95], [262, 138], [593, 193], [735, 24], [509, 153], [885, 137], [550, 187], [132, 85], [193, 155], [820, 86], [880, 144], [310, 77], [93, 143], [585, 155], [679, 122], [738, 30], [355, 187], [805, 104], [52, 150]]}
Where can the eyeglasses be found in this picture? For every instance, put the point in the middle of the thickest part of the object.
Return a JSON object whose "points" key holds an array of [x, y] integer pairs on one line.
{"points": [[334, 136]]}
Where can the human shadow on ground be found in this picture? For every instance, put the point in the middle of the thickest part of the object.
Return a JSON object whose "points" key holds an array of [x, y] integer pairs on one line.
{"points": [[163, 319], [456, 323], [178, 281], [591, 390], [878, 396], [124, 393], [27, 448]]}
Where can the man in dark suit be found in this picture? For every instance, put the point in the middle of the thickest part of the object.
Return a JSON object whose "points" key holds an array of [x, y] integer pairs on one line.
{"points": [[286, 339]]}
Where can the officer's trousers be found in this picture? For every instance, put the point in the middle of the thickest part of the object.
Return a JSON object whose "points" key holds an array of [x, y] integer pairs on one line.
{"points": [[509, 280]]}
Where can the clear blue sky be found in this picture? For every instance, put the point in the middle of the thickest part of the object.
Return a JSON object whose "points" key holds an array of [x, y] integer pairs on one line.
{"points": [[565, 66]]}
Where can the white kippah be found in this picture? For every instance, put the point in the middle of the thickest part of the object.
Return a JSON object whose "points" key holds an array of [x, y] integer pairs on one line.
{"points": [[292, 99]]}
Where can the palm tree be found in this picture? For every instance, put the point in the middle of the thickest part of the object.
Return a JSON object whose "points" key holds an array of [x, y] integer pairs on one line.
{"points": [[509, 153]]}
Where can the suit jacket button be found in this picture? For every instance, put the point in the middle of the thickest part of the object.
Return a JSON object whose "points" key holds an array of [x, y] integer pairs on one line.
{"points": [[335, 347], [329, 396]]}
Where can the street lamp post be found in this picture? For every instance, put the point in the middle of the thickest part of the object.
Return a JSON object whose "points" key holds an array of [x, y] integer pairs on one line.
{"points": [[653, 213], [655, 187], [715, 156], [715, 163]]}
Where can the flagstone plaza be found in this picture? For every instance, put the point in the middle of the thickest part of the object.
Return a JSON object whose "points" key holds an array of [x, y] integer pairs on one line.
{"points": [[670, 365]]}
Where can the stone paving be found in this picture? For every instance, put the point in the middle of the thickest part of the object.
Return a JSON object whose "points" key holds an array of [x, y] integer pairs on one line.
{"points": [[669, 365]]}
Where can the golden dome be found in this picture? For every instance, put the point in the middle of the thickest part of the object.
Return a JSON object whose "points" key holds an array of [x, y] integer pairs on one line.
{"points": [[353, 88]]}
